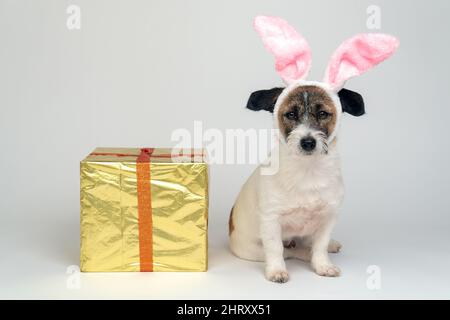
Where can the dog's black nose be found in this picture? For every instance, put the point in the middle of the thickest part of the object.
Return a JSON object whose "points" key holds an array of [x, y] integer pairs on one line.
{"points": [[308, 143]]}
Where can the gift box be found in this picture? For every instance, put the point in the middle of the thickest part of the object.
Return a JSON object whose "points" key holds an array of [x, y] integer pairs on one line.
{"points": [[143, 210]]}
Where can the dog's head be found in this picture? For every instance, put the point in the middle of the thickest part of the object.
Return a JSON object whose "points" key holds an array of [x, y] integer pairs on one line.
{"points": [[308, 113]]}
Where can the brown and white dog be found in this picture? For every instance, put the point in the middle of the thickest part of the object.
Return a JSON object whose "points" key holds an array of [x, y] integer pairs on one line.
{"points": [[291, 212]]}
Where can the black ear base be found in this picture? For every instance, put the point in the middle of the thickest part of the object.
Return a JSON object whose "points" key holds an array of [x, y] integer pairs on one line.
{"points": [[264, 99], [352, 102]]}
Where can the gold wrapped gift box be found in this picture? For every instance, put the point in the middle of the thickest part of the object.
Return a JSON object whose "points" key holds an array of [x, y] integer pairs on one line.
{"points": [[143, 210]]}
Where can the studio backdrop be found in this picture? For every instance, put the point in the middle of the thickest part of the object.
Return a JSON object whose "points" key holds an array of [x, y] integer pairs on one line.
{"points": [[76, 75]]}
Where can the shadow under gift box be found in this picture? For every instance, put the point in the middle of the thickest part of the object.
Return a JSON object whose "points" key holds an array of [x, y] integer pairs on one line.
{"points": [[143, 210]]}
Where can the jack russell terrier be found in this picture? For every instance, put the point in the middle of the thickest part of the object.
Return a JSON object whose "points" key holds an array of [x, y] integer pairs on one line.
{"points": [[291, 213]]}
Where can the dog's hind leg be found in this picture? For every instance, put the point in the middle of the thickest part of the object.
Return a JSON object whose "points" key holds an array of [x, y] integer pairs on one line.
{"points": [[304, 253], [334, 246], [298, 252], [255, 252], [246, 248]]}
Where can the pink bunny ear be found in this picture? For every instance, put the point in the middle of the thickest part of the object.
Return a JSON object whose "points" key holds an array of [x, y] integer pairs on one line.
{"points": [[357, 55], [291, 51]]}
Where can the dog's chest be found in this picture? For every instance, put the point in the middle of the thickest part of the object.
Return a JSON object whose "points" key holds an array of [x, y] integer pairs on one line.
{"points": [[310, 205], [305, 216]]}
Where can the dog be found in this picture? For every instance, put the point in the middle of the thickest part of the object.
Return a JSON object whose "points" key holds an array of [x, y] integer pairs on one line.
{"points": [[291, 213]]}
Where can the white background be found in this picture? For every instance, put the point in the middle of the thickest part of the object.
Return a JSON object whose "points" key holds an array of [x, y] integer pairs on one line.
{"points": [[137, 70]]}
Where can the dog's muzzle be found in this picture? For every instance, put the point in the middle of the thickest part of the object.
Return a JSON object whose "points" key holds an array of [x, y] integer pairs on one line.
{"points": [[308, 144]]}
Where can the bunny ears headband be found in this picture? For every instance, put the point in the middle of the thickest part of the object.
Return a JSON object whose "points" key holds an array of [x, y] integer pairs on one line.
{"points": [[293, 54]]}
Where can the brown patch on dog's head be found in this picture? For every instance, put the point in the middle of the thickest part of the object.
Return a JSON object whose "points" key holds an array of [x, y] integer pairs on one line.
{"points": [[308, 105], [230, 222]]}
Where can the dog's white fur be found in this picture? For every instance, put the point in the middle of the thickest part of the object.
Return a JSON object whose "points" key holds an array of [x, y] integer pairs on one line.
{"points": [[301, 199]]}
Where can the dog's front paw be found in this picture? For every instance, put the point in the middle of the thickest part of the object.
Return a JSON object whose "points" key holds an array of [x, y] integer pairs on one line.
{"points": [[327, 270], [279, 276]]}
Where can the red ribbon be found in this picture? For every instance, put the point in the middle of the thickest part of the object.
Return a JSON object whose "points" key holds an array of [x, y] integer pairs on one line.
{"points": [[144, 196]]}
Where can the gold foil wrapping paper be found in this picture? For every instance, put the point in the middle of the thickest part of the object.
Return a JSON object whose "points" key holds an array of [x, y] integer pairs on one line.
{"points": [[110, 226]]}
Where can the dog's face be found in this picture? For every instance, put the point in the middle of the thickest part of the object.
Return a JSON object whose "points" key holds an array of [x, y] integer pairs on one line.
{"points": [[307, 115]]}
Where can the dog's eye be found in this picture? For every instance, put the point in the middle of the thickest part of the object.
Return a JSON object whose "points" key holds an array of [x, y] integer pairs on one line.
{"points": [[291, 115], [322, 115]]}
